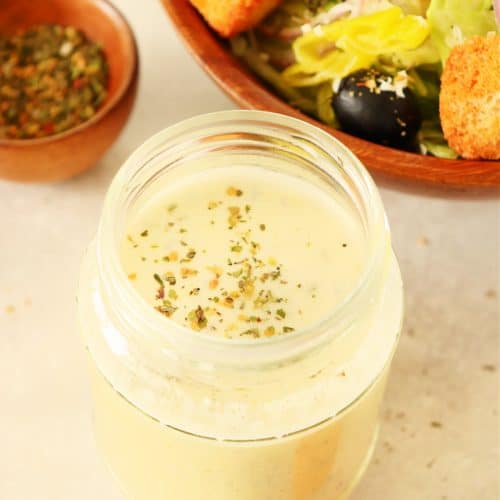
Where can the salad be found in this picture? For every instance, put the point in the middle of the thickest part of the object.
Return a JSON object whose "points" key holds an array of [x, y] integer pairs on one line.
{"points": [[369, 67]]}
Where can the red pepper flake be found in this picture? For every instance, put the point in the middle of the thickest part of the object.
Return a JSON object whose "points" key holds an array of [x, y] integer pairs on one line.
{"points": [[79, 83], [49, 128]]}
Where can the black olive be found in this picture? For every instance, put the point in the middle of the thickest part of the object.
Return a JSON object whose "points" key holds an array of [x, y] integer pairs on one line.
{"points": [[381, 116]]}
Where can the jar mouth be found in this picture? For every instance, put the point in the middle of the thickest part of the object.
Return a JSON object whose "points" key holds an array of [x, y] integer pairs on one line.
{"points": [[198, 136]]}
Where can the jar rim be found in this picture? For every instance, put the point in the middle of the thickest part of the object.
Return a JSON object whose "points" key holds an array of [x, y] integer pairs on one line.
{"points": [[206, 349]]}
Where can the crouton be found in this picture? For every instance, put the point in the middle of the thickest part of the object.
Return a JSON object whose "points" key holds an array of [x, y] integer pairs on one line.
{"points": [[230, 17], [469, 102]]}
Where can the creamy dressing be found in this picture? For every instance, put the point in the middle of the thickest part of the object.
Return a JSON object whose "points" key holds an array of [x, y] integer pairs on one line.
{"points": [[243, 252]]}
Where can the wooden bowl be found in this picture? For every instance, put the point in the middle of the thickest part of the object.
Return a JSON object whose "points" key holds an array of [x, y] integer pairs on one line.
{"points": [[66, 154], [213, 54]]}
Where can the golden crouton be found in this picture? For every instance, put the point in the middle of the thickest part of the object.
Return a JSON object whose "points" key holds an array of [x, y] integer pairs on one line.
{"points": [[230, 17], [469, 102]]}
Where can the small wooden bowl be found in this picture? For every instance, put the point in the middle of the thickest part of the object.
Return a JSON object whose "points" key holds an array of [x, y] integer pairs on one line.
{"points": [[67, 154], [249, 92]]}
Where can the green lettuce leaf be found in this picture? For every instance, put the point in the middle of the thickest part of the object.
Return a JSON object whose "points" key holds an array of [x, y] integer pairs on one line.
{"points": [[452, 21], [427, 54], [432, 141]]}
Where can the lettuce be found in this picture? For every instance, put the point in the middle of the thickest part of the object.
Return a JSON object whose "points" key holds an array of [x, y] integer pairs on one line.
{"points": [[431, 140], [452, 21], [425, 55]]}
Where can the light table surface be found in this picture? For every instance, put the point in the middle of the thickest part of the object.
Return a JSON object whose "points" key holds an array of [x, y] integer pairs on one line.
{"points": [[440, 433]]}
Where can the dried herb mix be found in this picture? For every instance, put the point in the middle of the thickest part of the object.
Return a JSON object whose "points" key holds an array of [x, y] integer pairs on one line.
{"points": [[52, 78], [249, 285]]}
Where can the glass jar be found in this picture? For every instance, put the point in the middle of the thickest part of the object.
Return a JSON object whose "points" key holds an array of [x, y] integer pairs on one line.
{"points": [[184, 416]]}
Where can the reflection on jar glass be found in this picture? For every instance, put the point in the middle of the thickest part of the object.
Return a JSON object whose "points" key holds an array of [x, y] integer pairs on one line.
{"points": [[240, 305]]}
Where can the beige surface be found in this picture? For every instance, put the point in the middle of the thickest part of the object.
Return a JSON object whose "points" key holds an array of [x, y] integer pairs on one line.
{"points": [[440, 436]]}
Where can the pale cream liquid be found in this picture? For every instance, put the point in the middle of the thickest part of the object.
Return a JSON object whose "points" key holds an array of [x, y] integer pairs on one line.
{"points": [[303, 250], [317, 244], [155, 462]]}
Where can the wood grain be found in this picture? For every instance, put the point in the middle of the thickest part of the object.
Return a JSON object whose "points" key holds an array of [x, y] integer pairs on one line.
{"points": [[67, 154], [246, 90]]}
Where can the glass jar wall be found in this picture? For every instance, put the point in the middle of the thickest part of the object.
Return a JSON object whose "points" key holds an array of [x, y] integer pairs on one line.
{"points": [[184, 415]]}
